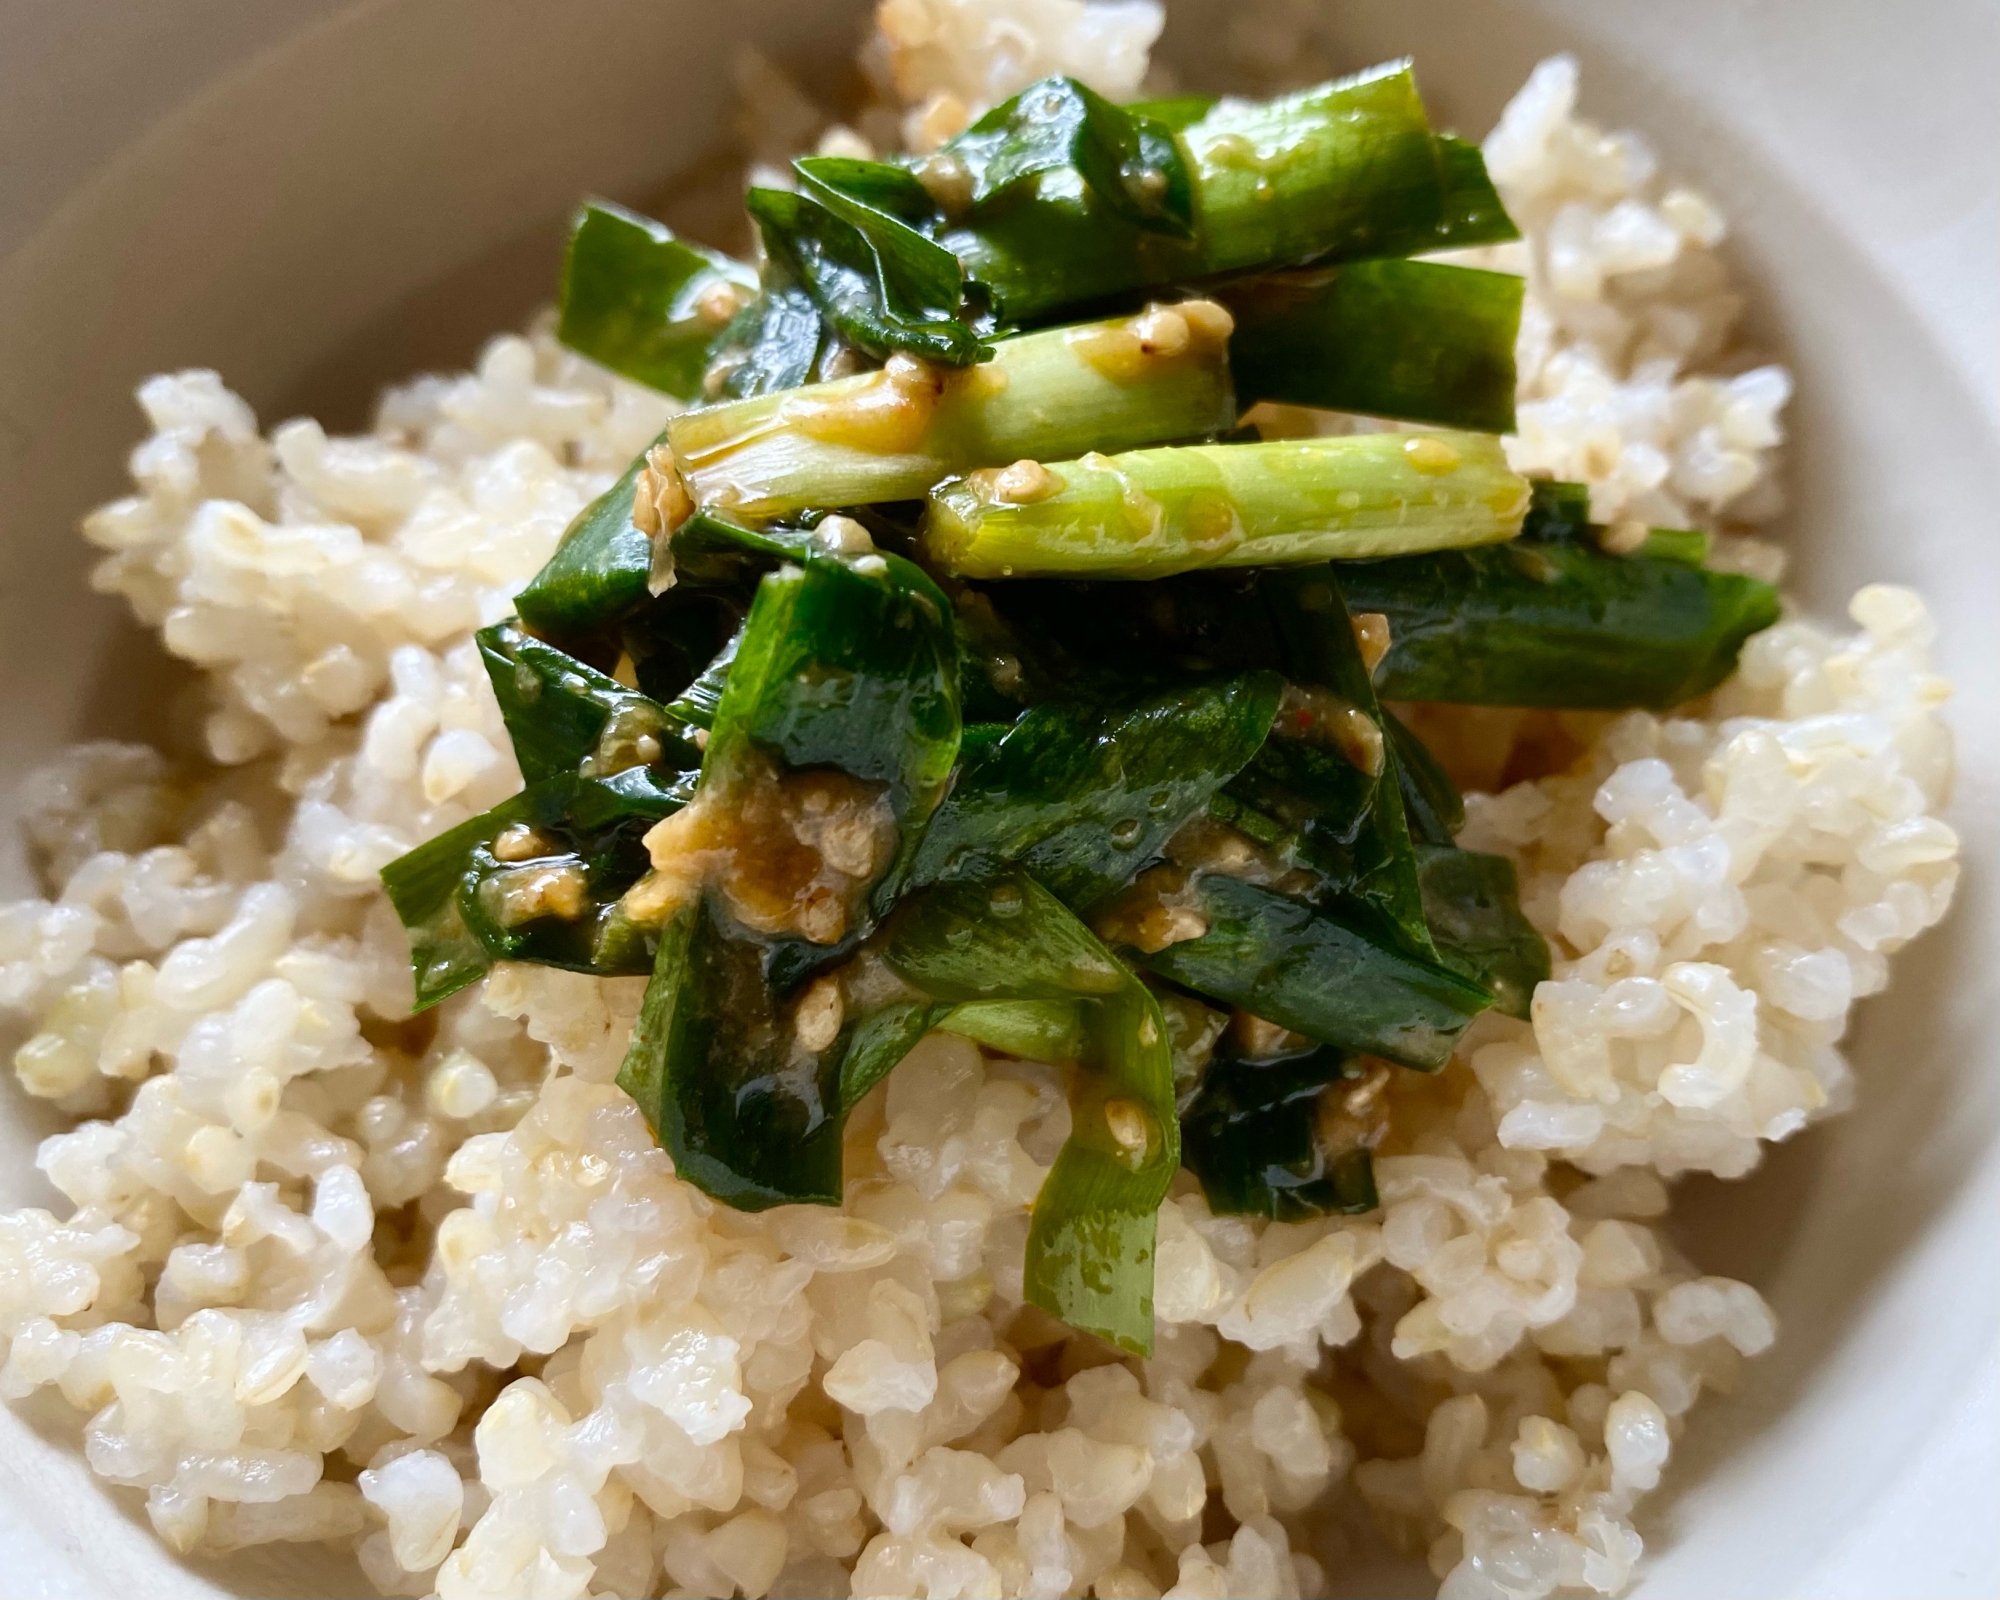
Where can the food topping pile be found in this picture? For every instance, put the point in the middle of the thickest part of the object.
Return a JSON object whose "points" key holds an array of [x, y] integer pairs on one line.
{"points": [[958, 664]]}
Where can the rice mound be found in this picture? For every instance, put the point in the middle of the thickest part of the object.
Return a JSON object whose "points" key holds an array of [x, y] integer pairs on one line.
{"points": [[429, 1289]]}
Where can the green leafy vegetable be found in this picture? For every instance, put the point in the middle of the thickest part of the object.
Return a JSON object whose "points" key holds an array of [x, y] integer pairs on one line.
{"points": [[600, 569], [851, 666], [778, 342], [1128, 162], [881, 283], [1090, 1241], [1323, 795], [454, 894], [841, 667], [1431, 801], [1083, 796], [1316, 973], [1541, 623], [1259, 1136], [1358, 843], [644, 303], [1472, 904], [1471, 901], [1409, 339], [565, 716], [1036, 1030], [831, 803], [1343, 171]]}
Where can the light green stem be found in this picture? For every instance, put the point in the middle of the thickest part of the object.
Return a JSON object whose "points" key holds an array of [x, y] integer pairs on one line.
{"points": [[1152, 513], [894, 435]]}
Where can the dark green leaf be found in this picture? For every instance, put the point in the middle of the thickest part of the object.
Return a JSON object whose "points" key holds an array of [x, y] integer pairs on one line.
{"points": [[1556, 624], [850, 669], [594, 825], [1315, 973], [776, 342], [644, 303], [1085, 795], [1558, 513], [848, 666], [1254, 1137], [1431, 801], [696, 704], [1090, 1242], [599, 571], [1306, 794], [1357, 838], [877, 200], [884, 287], [564, 716], [750, 1116], [1343, 171], [1472, 902], [1410, 339], [675, 639], [1129, 163]]}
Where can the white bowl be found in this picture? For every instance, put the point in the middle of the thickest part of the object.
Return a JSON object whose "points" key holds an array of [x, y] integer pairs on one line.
{"points": [[315, 196]]}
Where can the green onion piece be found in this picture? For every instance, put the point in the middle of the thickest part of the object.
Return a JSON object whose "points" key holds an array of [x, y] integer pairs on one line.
{"points": [[1472, 902], [778, 342], [1083, 796], [566, 716], [750, 1116], [644, 303], [879, 437], [1345, 798], [1347, 170], [447, 890], [1316, 973], [845, 665], [1062, 133], [1090, 1241], [599, 571], [1690, 545], [1152, 513], [883, 285], [1556, 624], [880, 1040], [1257, 1136], [1409, 339], [696, 705], [1035, 1030], [1176, 111], [1558, 512], [1431, 801]]}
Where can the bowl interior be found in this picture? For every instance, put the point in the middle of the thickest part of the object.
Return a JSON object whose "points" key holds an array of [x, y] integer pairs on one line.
{"points": [[318, 198]]}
